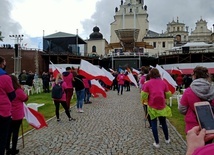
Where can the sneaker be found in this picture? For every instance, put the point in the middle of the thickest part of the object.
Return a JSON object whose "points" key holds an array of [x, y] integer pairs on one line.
{"points": [[8, 151], [156, 145], [58, 119], [89, 102], [168, 141], [78, 110], [81, 111], [13, 152], [72, 119]]}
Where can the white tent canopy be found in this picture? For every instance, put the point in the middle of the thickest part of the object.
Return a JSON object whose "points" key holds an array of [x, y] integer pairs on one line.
{"points": [[197, 44]]}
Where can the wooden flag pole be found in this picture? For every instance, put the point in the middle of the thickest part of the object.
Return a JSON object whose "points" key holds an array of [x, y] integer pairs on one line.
{"points": [[23, 144]]}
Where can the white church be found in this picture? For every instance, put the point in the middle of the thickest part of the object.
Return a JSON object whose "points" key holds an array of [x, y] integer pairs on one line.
{"points": [[130, 33]]}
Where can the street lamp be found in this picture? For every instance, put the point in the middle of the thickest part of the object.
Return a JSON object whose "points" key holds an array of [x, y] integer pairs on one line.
{"points": [[17, 54]]}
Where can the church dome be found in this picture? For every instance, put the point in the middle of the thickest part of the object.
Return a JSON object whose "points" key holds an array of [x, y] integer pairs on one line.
{"points": [[96, 34]]}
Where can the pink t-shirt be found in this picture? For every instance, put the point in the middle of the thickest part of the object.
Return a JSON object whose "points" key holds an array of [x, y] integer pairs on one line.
{"points": [[64, 86], [156, 88], [17, 104], [205, 150], [142, 81], [5, 88], [188, 99], [68, 80], [86, 83], [121, 79]]}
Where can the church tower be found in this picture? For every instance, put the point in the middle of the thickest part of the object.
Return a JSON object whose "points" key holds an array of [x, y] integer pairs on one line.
{"points": [[130, 23]]}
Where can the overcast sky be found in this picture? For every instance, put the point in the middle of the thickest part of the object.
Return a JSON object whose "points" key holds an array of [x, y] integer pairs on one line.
{"points": [[31, 17]]}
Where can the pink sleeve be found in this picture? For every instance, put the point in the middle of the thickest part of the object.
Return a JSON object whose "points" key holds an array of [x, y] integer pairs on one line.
{"points": [[184, 100], [145, 87], [21, 95], [64, 85], [207, 150], [8, 84]]}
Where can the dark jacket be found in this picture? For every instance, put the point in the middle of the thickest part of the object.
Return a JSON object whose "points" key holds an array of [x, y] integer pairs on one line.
{"points": [[78, 83]]}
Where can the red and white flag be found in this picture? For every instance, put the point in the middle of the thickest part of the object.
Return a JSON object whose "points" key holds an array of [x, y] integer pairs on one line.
{"points": [[34, 118], [135, 71], [108, 78], [96, 89], [90, 71], [129, 77], [167, 78], [56, 70], [111, 70], [176, 71]]}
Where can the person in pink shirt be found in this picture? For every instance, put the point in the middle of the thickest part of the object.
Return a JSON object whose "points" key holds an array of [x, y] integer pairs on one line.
{"points": [[7, 94], [156, 91], [196, 139], [179, 81], [200, 90], [68, 78], [87, 84], [17, 116], [121, 80], [59, 80], [142, 80]]}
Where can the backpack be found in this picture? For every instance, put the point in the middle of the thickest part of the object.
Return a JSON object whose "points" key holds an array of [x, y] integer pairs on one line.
{"points": [[57, 91]]}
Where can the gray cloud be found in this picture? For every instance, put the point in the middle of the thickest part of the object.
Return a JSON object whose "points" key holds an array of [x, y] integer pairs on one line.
{"points": [[160, 13], [7, 24]]}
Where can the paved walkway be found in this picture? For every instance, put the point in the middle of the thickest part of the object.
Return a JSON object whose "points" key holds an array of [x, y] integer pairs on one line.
{"points": [[109, 126]]}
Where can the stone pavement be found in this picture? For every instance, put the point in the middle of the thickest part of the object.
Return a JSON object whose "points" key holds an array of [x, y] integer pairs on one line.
{"points": [[109, 126]]}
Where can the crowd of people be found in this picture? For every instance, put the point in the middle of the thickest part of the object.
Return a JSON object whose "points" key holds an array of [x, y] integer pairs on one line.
{"points": [[154, 93], [11, 110], [198, 87]]}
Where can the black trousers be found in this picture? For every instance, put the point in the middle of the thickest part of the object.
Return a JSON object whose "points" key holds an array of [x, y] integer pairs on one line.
{"points": [[64, 105], [14, 134], [4, 129]]}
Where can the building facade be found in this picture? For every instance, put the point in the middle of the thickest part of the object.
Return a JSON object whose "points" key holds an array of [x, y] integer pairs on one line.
{"points": [[96, 44]]}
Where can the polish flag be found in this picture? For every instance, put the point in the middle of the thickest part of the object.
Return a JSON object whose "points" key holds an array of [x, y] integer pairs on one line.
{"points": [[129, 77], [176, 71], [108, 78], [56, 70], [167, 78], [34, 118], [135, 71], [96, 89], [90, 71], [111, 70]]}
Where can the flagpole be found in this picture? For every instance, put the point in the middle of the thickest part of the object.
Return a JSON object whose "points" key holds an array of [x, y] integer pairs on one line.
{"points": [[23, 144]]}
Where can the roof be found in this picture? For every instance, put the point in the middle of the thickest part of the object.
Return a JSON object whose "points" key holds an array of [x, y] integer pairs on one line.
{"points": [[59, 35], [65, 37], [197, 44]]}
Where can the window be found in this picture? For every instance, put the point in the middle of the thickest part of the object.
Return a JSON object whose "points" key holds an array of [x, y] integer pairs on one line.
{"points": [[93, 48], [163, 44], [154, 44]]}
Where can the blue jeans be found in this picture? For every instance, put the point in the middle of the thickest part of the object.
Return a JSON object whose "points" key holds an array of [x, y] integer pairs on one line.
{"points": [[80, 98], [155, 130], [120, 88], [87, 94]]}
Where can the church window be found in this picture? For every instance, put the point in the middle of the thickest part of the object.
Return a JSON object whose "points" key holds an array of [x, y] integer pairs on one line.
{"points": [[154, 44], [164, 44], [93, 48]]}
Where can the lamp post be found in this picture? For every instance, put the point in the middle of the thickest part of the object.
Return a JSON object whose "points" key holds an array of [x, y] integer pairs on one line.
{"points": [[17, 54]]}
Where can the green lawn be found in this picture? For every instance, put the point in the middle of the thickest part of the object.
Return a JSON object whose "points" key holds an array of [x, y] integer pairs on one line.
{"points": [[48, 110], [177, 119]]}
